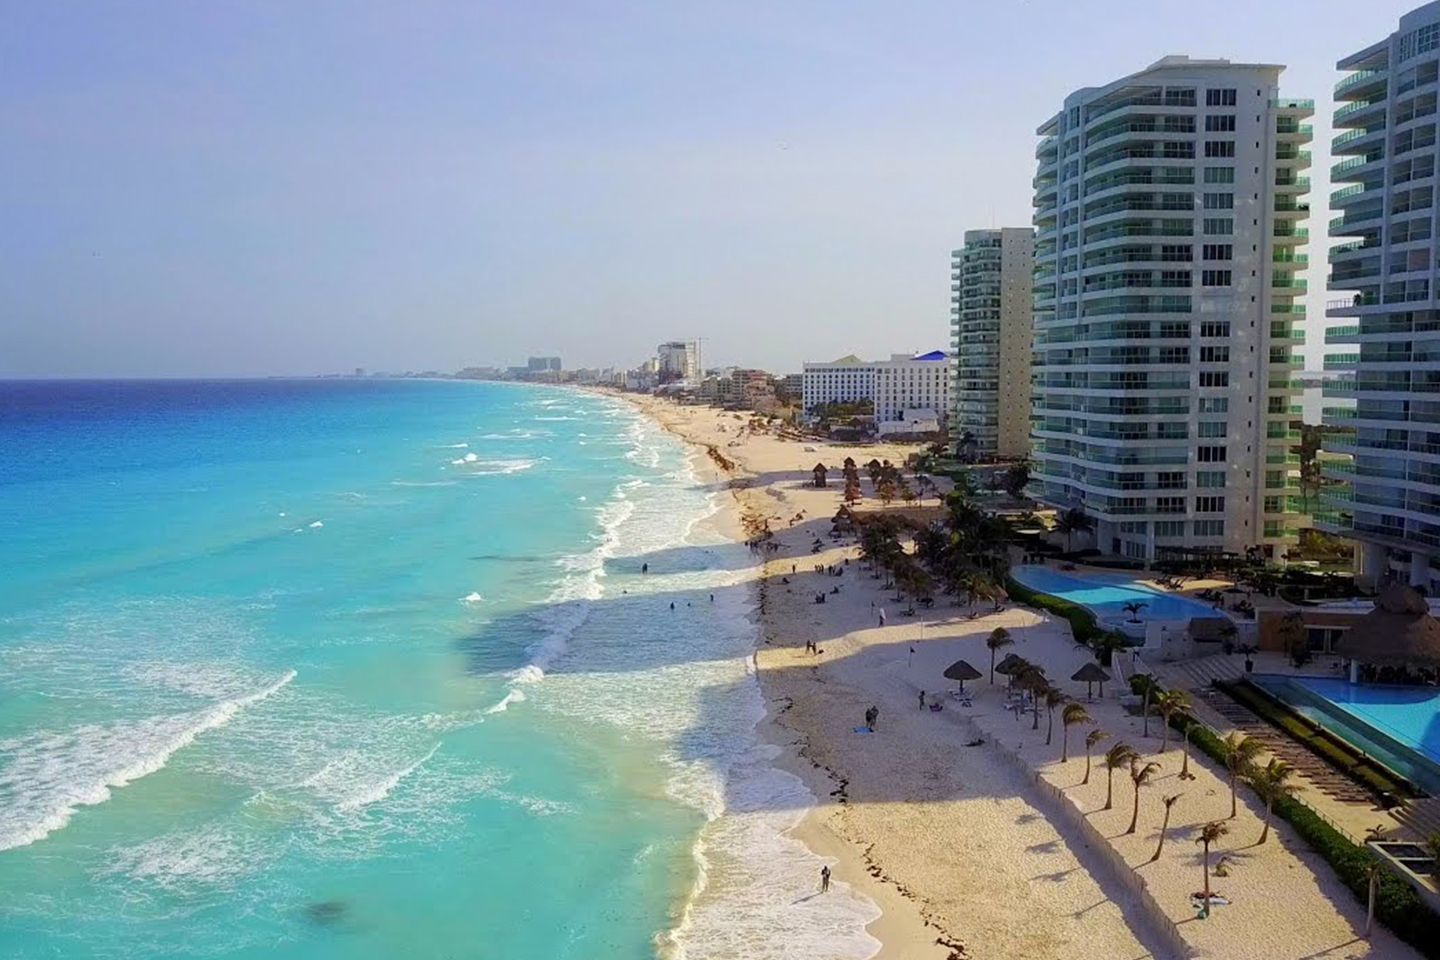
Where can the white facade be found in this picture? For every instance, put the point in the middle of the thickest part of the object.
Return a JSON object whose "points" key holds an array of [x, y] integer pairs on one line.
{"points": [[905, 383], [990, 319], [896, 386], [1168, 211], [1386, 156], [679, 359]]}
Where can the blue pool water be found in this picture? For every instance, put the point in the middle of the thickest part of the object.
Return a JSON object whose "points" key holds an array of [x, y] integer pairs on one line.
{"points": [[352, 670], [1401, 725], [1106, 594]]}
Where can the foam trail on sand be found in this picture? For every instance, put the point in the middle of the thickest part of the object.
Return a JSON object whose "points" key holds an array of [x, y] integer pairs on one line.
{"points": [[51, 774]]}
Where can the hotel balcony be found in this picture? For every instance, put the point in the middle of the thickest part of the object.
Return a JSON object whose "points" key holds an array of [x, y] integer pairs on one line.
{"points": [[1360, 114], [1353, 142], [1363, 85], [1361, 167]]}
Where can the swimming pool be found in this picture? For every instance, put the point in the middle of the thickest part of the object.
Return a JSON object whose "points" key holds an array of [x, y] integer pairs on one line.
{"points": [[1106, 594], [1400, 726]]}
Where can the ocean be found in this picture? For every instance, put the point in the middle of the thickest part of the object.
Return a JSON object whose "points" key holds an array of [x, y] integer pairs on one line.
{"points": [[369, 669]]}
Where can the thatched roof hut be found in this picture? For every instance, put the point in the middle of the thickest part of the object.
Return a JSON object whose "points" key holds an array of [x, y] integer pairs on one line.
{"points": [[1399, 632]]}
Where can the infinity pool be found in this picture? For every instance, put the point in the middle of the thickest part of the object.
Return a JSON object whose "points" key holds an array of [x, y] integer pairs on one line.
{"points": [[1106, 594], [1399, 725]]}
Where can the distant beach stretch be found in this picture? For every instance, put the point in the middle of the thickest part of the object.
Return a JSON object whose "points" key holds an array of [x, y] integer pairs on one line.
{"points": [[954, 816]]}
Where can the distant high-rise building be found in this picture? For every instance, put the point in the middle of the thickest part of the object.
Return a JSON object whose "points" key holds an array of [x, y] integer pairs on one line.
{"points": [[543, 364], [991, 328], [679, 360], [1168, 211], [1386, 155]]}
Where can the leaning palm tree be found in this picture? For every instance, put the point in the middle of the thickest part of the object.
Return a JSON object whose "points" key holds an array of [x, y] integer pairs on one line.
{"points": [[1053, 699], [1271, 782], [1091, 739], [1209, 834], [1372, 873], [1164, 825], [1185, 773], [1133, 608], [1073, 714], [1140, 776], [1239, 752], [1169, 703], [999, 637], [1116, 757]]}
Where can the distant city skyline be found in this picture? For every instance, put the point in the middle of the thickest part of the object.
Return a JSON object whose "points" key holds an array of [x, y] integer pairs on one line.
{"points": [[227, 191]]}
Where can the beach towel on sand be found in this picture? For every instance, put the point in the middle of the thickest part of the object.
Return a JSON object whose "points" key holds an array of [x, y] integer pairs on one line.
{"points": [[863, 730]]}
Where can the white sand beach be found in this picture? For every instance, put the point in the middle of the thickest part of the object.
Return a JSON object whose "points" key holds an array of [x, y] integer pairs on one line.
{"points": [[967, 853]]}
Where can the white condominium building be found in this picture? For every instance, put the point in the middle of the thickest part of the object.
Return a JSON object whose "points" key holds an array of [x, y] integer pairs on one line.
{"points": [[1168, 212], [899, 388], [1385, 147], [679, 359], [990, 326]]}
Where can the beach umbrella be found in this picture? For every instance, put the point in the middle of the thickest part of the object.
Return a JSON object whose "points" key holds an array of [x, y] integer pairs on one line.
{"points": [[1012, 666], [1092, 673], [1399, 632], [962, 671]]}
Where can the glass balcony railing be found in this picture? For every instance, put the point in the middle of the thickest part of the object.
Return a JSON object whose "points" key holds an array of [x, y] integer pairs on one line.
{"points": [[1357, 78]]}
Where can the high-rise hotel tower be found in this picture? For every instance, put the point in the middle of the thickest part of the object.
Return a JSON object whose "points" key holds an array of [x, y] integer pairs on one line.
{"points": [[1385, 152], [990, 337], [1169, 214]]}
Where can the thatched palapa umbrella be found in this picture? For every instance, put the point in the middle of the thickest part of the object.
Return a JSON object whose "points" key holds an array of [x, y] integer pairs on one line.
{"points": [[1012, 666], [1092, 673], [1399, 632], [962, 671]]}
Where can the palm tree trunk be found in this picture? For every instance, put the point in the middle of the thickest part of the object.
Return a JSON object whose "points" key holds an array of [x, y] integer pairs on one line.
{"points": [[1065, 745], [1087, 767], [1265, 833], [1109, 787], [1234, 810], [1135, 813], [1370, 905], [1165, 825], [1205, 861], [1164, 732], [1185, 767], [1036, 711], [992, 649], [1049, 726]]}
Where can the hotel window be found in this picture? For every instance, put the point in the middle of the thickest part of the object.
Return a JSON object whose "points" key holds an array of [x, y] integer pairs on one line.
{"points": [[1216, 149], [1209, 528], [1217, 251], [1209, 504], [1210, 478], [1219, 174], [1215, 278], [1169, 504], [1214, 354], [1214, 405], [1219, 201], [1218, 226], [1210, 454], [1169, 528], [1215, 328], [1220, 123], [1219, 98], [1211, 428]]}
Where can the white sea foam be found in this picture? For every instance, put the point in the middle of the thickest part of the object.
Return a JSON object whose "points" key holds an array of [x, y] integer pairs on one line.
{"points": [[423, 483], [453, 446], [316, 524], [473, 597], [51, 774], [381, 789], [468, 458]]}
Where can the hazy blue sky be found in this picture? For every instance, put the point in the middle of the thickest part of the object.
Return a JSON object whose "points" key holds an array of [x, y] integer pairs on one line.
{"points": [[218, 188]]}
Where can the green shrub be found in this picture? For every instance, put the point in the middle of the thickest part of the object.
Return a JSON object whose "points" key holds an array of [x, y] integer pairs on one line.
{"points": [[1397, 904]]}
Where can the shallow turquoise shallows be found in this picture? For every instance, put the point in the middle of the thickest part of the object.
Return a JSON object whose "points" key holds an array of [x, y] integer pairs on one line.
{"points": [[1106, 594], [351, 669]]}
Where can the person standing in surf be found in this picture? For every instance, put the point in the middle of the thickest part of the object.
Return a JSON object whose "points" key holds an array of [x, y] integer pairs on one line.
{"points": [[825, 879]]}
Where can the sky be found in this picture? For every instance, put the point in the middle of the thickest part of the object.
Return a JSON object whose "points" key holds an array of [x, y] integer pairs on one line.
{"points": [[237, 189]]}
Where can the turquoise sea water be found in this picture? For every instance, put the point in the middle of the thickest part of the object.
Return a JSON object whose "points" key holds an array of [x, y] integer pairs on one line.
{"points": [[349, 669]]}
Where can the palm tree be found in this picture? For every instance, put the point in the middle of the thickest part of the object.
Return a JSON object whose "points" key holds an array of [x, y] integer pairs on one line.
{"points": [[1139, 776], [1239, 752], [1116, 757], [1053, 699], [1091, 739], [1073, 521], [1165, 825], [1073, 714], [1209, 834], [1185, 773], [1372, 873], [1271, 782], [1170, 703], [1133, 608], [999, 637], [1149, 683]]}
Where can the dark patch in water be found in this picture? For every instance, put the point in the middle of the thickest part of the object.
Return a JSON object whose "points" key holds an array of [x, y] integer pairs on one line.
{"points": [[326, 912]]}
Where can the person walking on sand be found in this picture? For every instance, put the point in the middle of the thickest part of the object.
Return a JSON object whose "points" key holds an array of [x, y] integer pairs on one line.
{"points": [[825, 879], [922, 699], [882, 616]]}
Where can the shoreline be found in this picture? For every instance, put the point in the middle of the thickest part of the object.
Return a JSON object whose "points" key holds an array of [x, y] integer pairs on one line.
{"points": [[901, 931]]}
